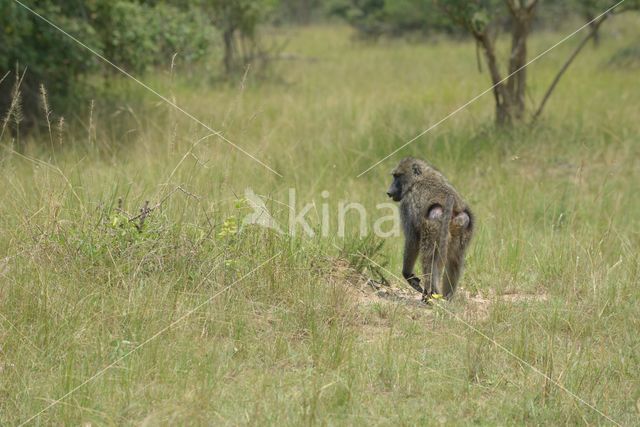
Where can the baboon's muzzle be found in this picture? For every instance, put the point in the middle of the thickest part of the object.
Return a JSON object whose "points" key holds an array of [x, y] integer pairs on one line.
{"points": [[394, 195]]}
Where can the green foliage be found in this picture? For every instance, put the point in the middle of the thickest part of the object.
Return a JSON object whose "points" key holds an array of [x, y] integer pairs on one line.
{"points": [[128, 40], [397, 17], [367, 16], [186, 32], [26, 42], [373, 18], [133, 35], [240, 15], [475, 15], [136, 36], [551, 13]]}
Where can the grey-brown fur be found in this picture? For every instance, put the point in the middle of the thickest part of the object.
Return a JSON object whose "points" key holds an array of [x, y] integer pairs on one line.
{"points": [[437, 223]]}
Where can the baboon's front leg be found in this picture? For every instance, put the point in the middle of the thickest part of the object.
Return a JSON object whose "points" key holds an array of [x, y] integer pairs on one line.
{"points": [[411, 248], [432, 259]]}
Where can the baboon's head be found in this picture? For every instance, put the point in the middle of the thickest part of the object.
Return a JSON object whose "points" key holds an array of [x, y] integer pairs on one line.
{"points": [[404, 175]]}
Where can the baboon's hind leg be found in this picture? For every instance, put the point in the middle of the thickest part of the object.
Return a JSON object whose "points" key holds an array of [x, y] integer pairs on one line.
{"points": [[434, 246], [461, 232], [453, 271]]}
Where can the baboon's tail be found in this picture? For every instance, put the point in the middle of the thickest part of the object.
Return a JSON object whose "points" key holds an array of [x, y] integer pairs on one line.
{"points": [[443, 238]]}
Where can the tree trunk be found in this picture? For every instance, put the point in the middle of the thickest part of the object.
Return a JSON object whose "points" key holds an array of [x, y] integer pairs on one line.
{"points": [[594, 26], [510, 95], [517, 81], [502, 100]]}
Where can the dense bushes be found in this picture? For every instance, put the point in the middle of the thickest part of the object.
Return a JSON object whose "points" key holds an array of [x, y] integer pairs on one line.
{"points": [[134, 35], [373, 18], [50, 57]]}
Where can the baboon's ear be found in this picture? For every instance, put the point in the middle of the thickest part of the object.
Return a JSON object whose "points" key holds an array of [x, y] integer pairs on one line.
{"points": [[416, 170]]}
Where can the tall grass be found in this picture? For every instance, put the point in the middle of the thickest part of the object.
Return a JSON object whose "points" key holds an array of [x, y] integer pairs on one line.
{"points": [[289, 344]]}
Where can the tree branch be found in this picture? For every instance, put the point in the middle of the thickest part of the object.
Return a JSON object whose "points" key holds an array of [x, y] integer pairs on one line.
{"points": [[566, 65], [496, 78], [511, 6]]}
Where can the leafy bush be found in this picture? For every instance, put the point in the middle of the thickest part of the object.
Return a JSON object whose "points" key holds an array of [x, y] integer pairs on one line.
{"points": [[131, 34], [50, 57], [188, 33], [122, 27], [136, 36], [373, 18]]}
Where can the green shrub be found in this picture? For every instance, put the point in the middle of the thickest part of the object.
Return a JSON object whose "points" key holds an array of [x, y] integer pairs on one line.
{"points": [[133, 35], [188, 33], [49, 57], [373, 18]]}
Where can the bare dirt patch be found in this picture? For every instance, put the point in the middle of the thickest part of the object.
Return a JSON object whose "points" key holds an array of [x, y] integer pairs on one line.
{"points": [[366, 292]]}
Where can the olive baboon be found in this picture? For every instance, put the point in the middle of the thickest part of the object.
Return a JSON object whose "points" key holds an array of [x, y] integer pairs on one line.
{"points": [[436, 222]]}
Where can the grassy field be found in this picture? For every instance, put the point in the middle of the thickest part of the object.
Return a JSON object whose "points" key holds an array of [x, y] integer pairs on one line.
{"points": [[198, 324]]}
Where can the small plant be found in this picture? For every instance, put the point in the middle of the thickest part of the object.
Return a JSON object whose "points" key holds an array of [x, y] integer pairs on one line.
{"points": [[123, 221], [120, 223], [361, 252], [229, 227]]}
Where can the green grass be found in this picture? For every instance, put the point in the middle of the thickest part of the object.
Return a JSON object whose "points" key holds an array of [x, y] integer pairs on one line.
{"points": [[289, 344]]}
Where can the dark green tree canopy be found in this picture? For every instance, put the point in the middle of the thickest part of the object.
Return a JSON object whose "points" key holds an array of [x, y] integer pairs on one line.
{"points": [[134, 35]]}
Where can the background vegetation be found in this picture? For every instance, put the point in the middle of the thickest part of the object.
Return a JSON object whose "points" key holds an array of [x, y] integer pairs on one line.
{"points": [[119, 221]]}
